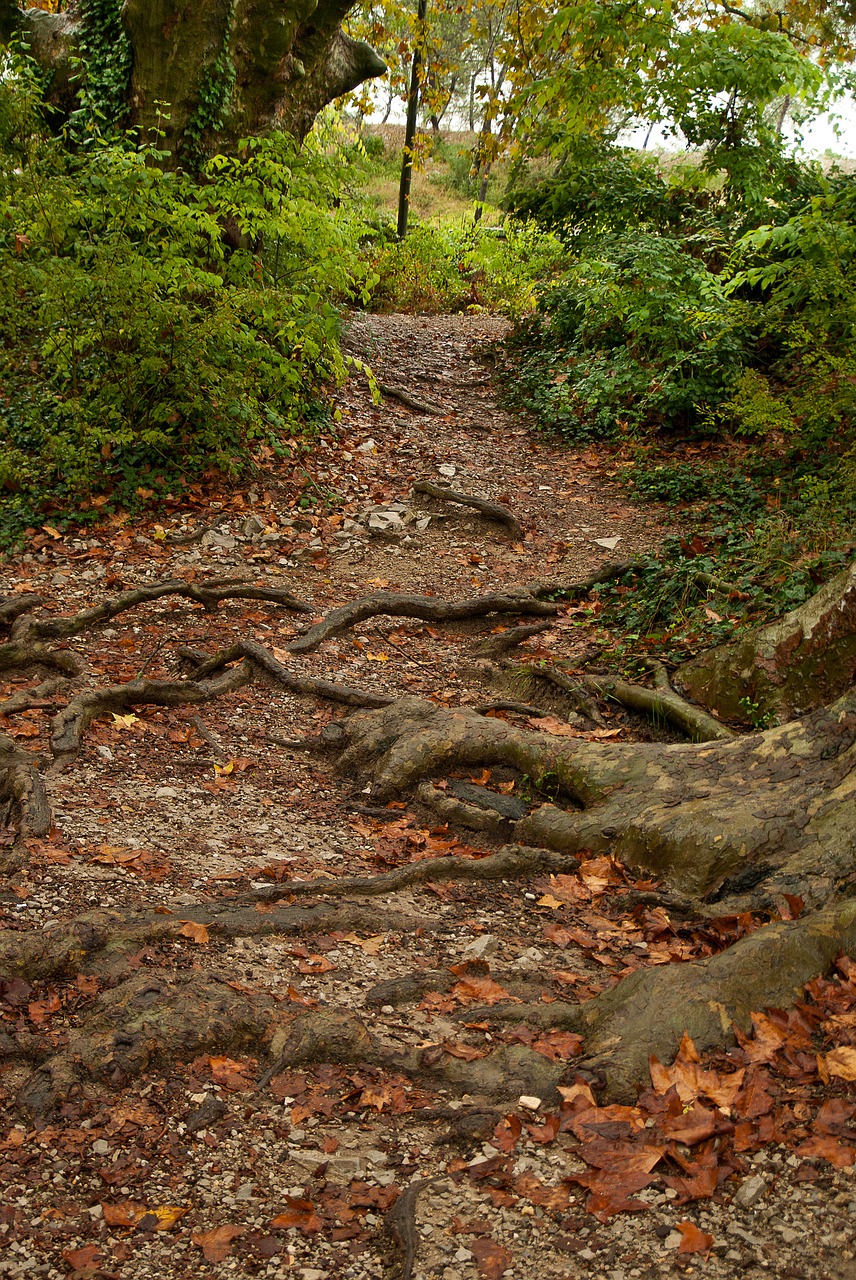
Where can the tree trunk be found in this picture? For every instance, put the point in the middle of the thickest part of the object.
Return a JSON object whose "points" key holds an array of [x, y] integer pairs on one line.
{"points": [[202, 76]]}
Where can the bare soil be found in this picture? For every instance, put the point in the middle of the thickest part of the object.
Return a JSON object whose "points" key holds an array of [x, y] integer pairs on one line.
{"points": [[194, 1168]]}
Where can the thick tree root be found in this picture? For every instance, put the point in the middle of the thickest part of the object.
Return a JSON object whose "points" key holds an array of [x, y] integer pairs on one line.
{"points": [[778, 807], [22, 653], [661, 703], [426, 608], [22, 790], [646, 1014], [786, 668], [492, 510]]}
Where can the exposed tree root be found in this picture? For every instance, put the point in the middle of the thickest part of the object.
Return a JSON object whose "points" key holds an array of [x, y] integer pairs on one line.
{"points": [[509, 639], [511, 862], [209, 595], [41, 695], [492, 510], [22, 792], [408, 400], [786, 668], [24, 654], [699, 816], [264, 661], [400, 1225], [663, 703], [427, 608]]}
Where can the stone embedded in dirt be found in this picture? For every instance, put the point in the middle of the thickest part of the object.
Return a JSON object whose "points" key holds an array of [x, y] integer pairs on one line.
{"points": [[751, 1191], [368, 446], [447, 469], [609, 543], [251, 526], [485, 945], [529, 1102]]}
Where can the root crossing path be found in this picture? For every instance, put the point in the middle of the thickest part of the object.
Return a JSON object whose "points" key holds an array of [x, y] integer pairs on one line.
{"points": [[296, 980]]}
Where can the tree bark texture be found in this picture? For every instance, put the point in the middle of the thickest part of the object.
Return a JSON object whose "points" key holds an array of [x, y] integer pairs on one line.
{"points": [[211, 74]]}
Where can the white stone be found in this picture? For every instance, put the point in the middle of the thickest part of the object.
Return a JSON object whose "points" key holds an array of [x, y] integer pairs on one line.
{"points": [[529, 1102]]}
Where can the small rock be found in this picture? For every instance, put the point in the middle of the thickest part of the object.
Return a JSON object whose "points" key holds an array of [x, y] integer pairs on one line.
{"points": [[673, 1240], [252, 526], [105, 753], [609, 543], [368, 446], [485, 945], [101, 1147], [750, 1191], [166, 793], [447, 469], [462, 1255], [312, 1273], [529, 1102]]}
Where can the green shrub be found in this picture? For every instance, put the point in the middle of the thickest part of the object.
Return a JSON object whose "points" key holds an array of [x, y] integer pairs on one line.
{"points": [[638, 333], [137, 346], [468, 267]]}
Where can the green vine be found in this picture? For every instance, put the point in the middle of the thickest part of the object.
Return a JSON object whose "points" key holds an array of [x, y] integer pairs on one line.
{"points": [[107, 60], [214, 97]]}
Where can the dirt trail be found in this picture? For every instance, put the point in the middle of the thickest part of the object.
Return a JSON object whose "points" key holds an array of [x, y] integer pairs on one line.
{"points": [[167, 809]]}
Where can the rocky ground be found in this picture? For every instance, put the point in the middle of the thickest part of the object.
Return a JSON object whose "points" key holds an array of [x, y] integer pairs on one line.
{"points": [[200, 1166]]}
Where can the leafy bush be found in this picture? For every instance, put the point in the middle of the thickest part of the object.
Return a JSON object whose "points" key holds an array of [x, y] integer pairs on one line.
{"points": [[637, 333], [138, 345], [468, 267]]}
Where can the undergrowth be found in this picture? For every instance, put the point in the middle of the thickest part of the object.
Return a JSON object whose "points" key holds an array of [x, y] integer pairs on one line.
{"points": [[153, 328]]}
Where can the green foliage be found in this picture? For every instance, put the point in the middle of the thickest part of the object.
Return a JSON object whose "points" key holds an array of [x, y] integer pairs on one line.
{"points": [[639, 332], [466, 267], [137, 347], [105, 66]]}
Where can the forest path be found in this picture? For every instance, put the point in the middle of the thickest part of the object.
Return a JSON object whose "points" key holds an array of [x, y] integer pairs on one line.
{"points": [[167, 809]]}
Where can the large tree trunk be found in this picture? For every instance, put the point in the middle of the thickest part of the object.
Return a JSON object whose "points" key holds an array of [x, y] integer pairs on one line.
{"points": [[206, 76]]}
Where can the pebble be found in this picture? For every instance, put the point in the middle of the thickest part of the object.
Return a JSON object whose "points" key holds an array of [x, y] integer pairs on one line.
{"points": [[750, 1191]]}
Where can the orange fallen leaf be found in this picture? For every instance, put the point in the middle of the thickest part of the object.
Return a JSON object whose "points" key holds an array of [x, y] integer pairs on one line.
{"points": [[216, 1244], [300, 1214], [693, 1239], [842, 1063], [492, 1260], [196, 932]]}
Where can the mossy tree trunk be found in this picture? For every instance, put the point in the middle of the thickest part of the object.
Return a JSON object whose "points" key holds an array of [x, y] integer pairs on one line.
{"points": [[203, 76]]}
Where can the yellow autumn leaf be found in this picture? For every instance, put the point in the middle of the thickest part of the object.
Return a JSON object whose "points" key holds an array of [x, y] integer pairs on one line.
{"points": [[221, 769], [371, 945], [167, 1215], [124, 722], [49, 528], [378, 657], [549, 901], [159, 533]]}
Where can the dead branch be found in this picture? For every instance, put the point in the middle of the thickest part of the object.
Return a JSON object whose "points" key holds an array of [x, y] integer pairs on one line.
{"points": [[427, 608], [492, 510], [411, 402], [572, 689], [575, 590]]}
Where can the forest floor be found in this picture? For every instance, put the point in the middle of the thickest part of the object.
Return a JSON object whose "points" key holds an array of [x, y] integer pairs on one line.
{"points": [[196, 1167]]}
